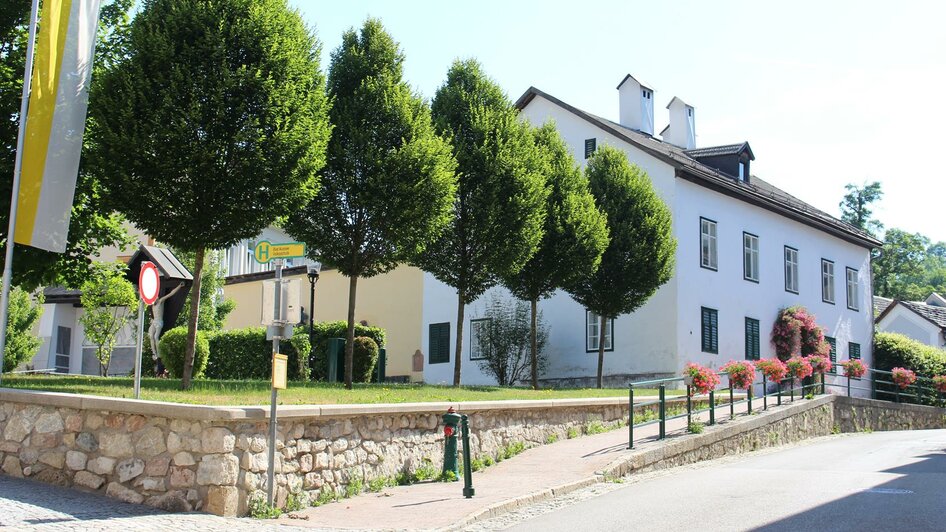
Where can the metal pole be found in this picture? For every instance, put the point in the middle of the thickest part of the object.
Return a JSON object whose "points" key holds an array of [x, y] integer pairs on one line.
{"points": [[14, 196], [712, 400], [848, 385], [468, 490], [630, 417], [689, 406], [141, 333], [662, 390], [780, 393], [732, 407], [749, 399], [271, 470], [311, 318]]}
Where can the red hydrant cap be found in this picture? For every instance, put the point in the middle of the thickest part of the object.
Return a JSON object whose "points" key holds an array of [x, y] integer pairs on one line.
{"points": [[447, 430], [451, 410]]}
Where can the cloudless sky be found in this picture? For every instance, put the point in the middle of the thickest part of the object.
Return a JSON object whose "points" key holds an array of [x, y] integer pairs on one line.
{"points": [[826, 92]]}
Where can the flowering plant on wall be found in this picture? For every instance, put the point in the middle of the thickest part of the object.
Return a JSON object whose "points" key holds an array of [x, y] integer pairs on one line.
{"points": [[741, 373], [854, 368], [798, 367], [820, 364], [939, 381], [702, 379], [773, 369], [903, 377], [796, 333]]}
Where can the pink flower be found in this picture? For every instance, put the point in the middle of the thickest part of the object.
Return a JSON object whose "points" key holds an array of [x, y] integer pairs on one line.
{"points": [[703, 379], [854, 368], [773, 369], [820, 363], [903, 377], [798, 367], [741, 373]]}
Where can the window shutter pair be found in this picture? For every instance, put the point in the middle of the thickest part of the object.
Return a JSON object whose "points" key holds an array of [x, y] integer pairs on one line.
{"points": [[439, 338]]}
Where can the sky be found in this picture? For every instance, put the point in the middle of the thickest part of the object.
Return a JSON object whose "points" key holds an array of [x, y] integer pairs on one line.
{"points": [[827, 93]]}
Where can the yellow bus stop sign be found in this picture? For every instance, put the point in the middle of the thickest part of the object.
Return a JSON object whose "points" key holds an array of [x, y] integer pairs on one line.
{"points": [[265, 251], [280, 369]]}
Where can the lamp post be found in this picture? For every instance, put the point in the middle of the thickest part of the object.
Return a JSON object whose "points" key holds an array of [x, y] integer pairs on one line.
{"points": [[312, 270]]}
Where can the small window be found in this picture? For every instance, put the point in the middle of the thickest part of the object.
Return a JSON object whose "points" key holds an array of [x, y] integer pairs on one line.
{"points": [[827, 281], [689, 111], [750, 258], [853, 290], [752, 339], [791, 270], [854, 351], [592, 328], [742, 171], [590, 146], [645, 93], [709, 330], [439, 340], [708, 244], [478, 331], [833, 354], [63, 348]]}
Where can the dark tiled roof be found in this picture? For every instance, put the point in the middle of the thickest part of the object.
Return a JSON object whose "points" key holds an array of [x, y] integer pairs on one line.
{"points": [[59, 294], [881, 304], [727, 149], [932, 313], [757, 191]]}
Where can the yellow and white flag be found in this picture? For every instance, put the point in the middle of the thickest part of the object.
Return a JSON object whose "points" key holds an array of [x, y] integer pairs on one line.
{"points": [[55, 122]]}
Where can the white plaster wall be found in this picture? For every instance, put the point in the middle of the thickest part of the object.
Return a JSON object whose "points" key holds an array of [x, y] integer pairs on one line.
{"points": [[736, 298], [906, 322]]}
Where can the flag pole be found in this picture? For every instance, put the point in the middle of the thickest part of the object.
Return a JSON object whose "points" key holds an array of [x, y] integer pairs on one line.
{"points": [[24, 106]]}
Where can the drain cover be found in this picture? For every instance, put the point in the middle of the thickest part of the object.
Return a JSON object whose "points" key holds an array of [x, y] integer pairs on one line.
{"points": [[888, 491]]}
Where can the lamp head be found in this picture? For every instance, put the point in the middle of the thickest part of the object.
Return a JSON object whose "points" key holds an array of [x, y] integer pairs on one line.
{"points": [[313, 270]]}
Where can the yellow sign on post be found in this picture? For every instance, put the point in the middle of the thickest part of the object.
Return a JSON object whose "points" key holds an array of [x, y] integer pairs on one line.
{"points": [[265, 252], [280, 367]]}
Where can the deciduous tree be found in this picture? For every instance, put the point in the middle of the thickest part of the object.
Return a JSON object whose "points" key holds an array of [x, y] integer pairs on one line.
{"points": [[389, 181], [108, 301], [499, 210], [640, 254], [856, 206], [22, 344], [212, 126]]}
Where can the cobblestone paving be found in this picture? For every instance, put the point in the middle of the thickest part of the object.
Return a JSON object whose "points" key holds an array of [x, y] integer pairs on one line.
{"points": [[34, 506]]}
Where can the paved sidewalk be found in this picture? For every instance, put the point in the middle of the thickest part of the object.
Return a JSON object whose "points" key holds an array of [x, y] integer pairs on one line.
{"points": [[537, 474]]}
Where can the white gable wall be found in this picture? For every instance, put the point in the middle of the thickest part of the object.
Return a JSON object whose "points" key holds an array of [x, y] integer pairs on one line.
{"points": [[908, 323]]}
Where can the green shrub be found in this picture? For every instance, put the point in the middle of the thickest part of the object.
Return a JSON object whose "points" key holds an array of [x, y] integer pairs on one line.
{"points": [[172, 345], [427, 471], [551, 438], [336, 329], [595, 427], [295, 502], [247, 354], [364, 358], [22, 344], [326, 496], [259, 508], [448, 476], [572, 433], [896, 350], [695, 427]]}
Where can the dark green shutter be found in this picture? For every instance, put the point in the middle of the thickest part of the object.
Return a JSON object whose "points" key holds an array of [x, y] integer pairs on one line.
{"points": [[590, 146], [709, 330], [752, 339], [833, 355], [439, 337], [854, 351]]}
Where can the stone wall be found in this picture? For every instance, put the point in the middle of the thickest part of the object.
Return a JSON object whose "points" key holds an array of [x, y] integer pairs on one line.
{"points": [[853, 414]]}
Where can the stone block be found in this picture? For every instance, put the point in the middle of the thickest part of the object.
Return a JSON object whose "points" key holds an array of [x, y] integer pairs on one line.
{"points": [[222, 500], [87, 442], [157, 466], [55, 477], [149, 442], [102, 465], [258, 443], [113, 421], [18, 428], [93, 421], [184, 459], [88, 480], [48, 422], [116, 444], [305, 463], [56, 459], [76, 460], [217, 440], [134, 423], [46, 440], [312, 481], [129, 469], [181, 477], [218, 470], [73, 422], [9, 447], [151, 483], [173, 501], [12, 466], [117, 491]]}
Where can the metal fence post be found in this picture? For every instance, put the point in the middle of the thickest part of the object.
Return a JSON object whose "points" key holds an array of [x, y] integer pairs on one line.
{"points": [[732, 407], [630, 417], [712, 407], [749, 398], [791, 389], [779, 393], [848, 385], [689, 406], [468, 490], [662, 391], [765, 396], [823, 386]]}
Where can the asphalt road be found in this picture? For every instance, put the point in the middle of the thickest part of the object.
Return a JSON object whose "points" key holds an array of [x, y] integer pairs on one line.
{"points": [[878, 481]]}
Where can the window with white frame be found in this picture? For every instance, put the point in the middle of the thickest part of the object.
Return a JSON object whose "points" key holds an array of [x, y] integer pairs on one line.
{"points": [[479, 329], [708, 244], [750, 257], [853, 286], [592, 332], [827, 281], [791, 270]]}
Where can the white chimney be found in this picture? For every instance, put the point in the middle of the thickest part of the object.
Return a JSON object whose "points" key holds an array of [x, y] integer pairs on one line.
{"points": [[636, 105], [682, 129]]}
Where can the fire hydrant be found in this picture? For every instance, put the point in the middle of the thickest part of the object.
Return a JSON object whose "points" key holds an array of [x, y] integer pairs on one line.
{"points": [[451, 420]]}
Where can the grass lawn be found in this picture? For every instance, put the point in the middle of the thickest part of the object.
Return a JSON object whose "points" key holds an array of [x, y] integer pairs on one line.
{"points": [[214, 392]]}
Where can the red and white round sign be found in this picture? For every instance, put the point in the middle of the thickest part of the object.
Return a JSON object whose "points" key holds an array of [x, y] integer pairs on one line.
{"points": [[149, 283]]}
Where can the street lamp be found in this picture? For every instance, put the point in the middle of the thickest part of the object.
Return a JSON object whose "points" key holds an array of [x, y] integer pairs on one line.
{"points": [[312, 270]]}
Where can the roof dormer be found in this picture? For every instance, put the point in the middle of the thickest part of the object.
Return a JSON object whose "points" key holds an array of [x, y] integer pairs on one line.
{"points": [[732, 159]]}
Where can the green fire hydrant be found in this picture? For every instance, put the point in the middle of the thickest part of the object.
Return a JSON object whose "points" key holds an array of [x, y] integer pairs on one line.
{"points": [[451, 420]]}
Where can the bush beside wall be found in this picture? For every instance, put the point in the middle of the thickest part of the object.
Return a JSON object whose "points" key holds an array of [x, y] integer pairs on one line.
{"points": [[896, 350], [337, 329], [172, 345], [247, 354]]}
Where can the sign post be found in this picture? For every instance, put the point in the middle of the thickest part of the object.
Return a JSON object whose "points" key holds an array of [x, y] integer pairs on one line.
{"points": [[149, 285], [278, 318]]}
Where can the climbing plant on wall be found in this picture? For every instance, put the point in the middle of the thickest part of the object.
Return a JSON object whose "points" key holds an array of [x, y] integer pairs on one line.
{"points": [[796, 333]]}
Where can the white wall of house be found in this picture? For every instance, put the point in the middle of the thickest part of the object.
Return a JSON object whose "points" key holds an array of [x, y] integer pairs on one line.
{"points": [[81, 350], [904, 321]]}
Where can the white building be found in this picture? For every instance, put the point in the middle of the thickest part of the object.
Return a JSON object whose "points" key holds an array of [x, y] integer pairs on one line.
{"points": [[745, 250], [924, 321]]}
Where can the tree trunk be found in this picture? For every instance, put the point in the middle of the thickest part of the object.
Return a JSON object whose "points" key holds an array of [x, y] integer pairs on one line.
{"points": [[350, 336], [458, 352], [190, 346], [601, 350], [534, 344]]}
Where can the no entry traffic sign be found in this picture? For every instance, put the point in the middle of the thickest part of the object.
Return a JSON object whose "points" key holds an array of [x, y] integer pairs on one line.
{"points": [[149, 283]]}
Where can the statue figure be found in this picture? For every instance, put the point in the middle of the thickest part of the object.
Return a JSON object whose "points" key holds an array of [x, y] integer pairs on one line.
{"points": [[157, 324]]}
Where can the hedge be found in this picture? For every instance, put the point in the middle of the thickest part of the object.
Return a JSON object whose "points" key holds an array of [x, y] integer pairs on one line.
{"points": [[337, 329], [364, 359], [247, 354], [172, 345], [896, 350]]}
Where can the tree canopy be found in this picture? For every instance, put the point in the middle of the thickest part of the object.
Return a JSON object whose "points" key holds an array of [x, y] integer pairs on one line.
{"points": [[640, 255], [212, 125], [499, 210], [856, 206], [108, 301], [389, 182]]}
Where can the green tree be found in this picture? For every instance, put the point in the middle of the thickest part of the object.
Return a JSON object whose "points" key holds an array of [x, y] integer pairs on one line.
{"points": [[213, 308], [506, 339], [640, 254], [898, 269], [22, 344], [92, 225], [108, 302], [856, 206], [389, 179], [212, 126], [574, 237], [500, 203]]}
